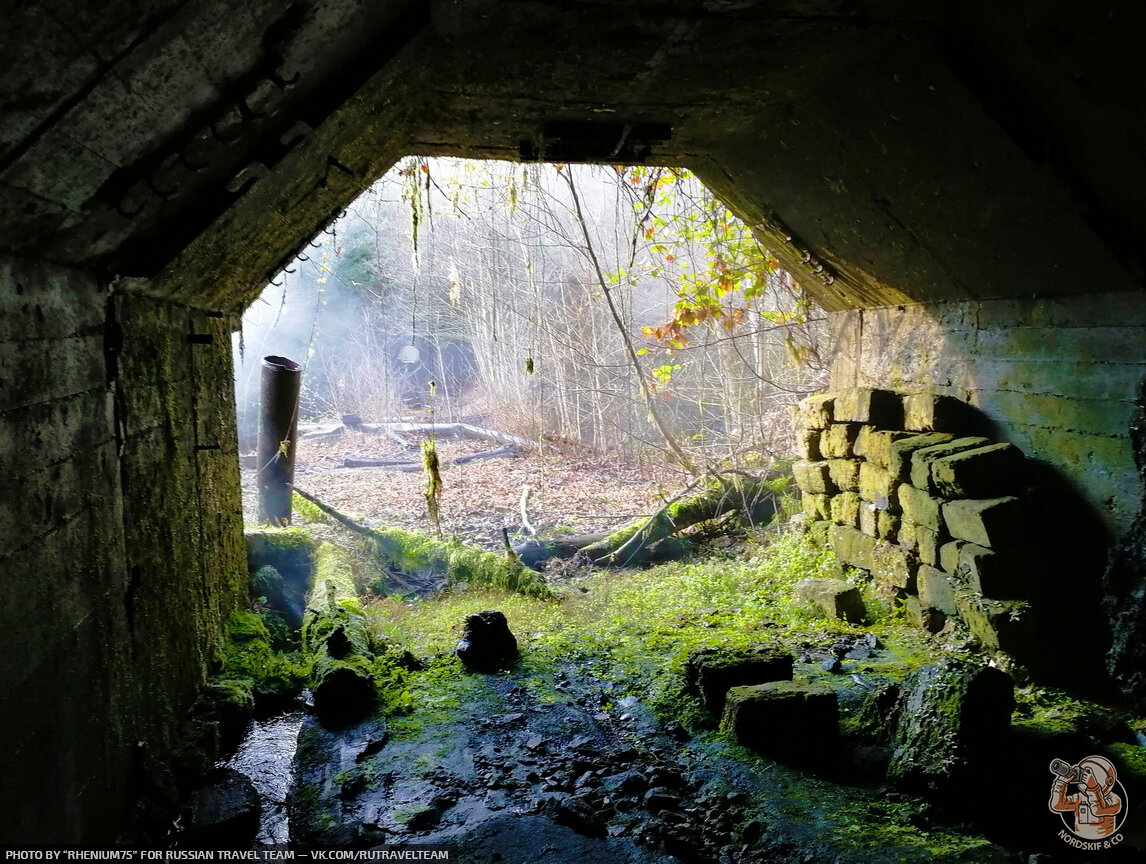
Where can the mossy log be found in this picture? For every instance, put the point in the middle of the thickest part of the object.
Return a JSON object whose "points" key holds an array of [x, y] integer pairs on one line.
{"points": [[652, 539], [429, 561], [335, 634]]}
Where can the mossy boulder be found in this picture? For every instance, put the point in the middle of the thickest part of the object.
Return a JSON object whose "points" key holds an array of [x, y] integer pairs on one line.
{"points": [[711, 672], [792, 721], [952, 718]]}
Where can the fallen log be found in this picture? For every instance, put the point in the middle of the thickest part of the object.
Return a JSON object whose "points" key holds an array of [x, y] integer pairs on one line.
{"points": [[408, 465], [335, 634], [653, 539], [446, 430], [430, 562], [322, 433]]}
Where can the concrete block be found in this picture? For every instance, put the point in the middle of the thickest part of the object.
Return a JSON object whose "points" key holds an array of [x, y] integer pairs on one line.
{"points": [[852, 546], [808, 444], [996, 523], [789, 720], [937, 590], [835, 598], [925, 412], [867, 519], [918, 506], [838, 440], [897, 458], [983, 472], [816, 507], [844, 473], [878, 486], [894, 565], [921, 459], [845, 509], [711, 672], [881, 408], [874, 445], [813, 478], [814, 412]]}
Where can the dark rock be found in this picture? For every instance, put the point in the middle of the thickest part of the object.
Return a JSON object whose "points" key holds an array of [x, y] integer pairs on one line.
{"points": [[833, 665], [424, 818], [952, 717], [344, 696], [487, 645], [577, 814], [658, 799], [223, 813], [710, 672]]}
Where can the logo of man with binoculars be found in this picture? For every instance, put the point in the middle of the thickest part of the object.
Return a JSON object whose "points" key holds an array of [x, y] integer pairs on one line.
{"points": [[1088, 791]]}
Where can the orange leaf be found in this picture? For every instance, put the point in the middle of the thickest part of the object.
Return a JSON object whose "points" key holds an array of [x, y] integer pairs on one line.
{"points": [[425, 169]]}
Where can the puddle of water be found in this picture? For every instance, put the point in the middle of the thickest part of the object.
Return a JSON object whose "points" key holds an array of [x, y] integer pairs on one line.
{"points": [[265, 757]]}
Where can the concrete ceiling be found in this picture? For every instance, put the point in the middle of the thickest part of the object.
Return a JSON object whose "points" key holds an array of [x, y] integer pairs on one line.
{"points": [[888, 151]]}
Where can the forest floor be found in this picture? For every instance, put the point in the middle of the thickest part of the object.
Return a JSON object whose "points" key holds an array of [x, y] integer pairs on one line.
{"points": [[573, 491]]}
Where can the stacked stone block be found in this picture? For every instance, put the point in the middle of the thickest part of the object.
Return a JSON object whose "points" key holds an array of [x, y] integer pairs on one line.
{"points": [[933, 513]]}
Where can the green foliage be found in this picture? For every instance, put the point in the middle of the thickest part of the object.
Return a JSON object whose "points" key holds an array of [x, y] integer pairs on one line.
{"points": [[251, 661], [307, 511]]}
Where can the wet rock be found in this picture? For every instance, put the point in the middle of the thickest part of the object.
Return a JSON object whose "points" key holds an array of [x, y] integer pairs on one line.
{"points": [[710, 672], [951, 719], [487, 645], [223, 813]]}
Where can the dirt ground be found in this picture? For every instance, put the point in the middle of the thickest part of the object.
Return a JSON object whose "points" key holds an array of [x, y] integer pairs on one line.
{"points": [[573, 491]]}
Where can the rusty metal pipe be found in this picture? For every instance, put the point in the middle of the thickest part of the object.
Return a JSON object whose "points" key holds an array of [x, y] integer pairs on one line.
{"points": [[278, 424]]}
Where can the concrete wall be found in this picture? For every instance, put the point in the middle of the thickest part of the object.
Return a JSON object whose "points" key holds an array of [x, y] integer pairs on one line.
{"points": [[120, 541], [1058, 376]]}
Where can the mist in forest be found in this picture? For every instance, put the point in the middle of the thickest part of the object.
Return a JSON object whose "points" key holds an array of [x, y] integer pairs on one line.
{"points": [[605, 306]]}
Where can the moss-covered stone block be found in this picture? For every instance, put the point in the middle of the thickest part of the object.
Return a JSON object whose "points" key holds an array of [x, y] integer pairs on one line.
{"points": [[711, 672], [928, 542], [897, 457], [919, 506], [844, 474], [816, 507], [924, 617], [1000, 625], [922, 458], [792, 721], [997, 575], [874, 444], [834, 598], [928, 412], [845, 509], [887, 525], [906, 537], [881, 408], [936, 590], [808, 444], [982, 472], [951, 718], [894, 565], [813, 478], [992, 522], [814, 412], [949, 556], [838, 440], [852, 546], [868, 523], [878, 486]]}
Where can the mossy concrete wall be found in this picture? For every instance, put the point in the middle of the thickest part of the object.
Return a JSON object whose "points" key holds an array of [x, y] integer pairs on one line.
{"points": [[1058, 376], [121, 542]]}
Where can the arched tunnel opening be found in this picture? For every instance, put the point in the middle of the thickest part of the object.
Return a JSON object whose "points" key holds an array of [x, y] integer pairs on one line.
{"points": [[958, 187]]}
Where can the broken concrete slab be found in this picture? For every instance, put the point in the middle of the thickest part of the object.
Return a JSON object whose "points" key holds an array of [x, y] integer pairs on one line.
{"points": [[711, 672], [835, 598]]}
